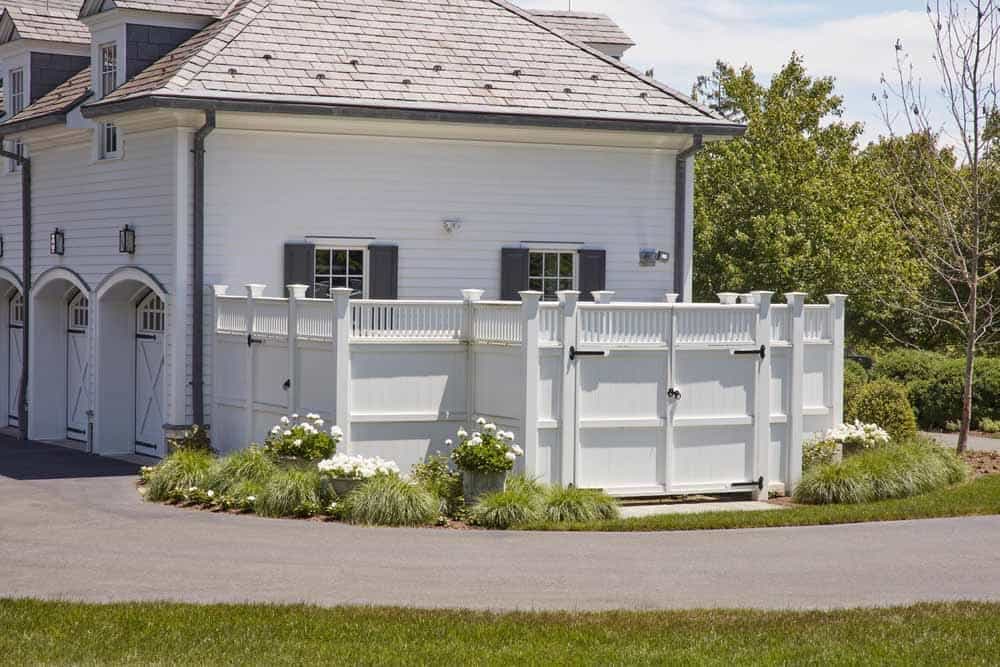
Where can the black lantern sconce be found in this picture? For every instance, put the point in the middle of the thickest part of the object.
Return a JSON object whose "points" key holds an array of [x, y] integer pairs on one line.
{"points": [[126, 240], [1, 246], [57, 242]]}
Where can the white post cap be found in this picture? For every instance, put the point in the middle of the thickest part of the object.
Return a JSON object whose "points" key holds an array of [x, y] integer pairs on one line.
{"points": [[472, 294], [728, 298], [671, 297], [297, 291], [255, 290], [220, 290], [603, 296]]}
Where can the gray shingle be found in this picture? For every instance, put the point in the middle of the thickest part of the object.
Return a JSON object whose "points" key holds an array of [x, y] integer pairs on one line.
{"points": [[586, 27], [49, 20]]}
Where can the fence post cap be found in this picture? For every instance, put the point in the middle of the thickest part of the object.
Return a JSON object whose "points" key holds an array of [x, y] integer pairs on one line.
{"points": [[568, 296], [836, 298], [255, 290], [603, 296], [762, 297], [297, 291], [728, 298], [530, 296], [671, 297], [472, 294], [341, 292], [220, 290]]}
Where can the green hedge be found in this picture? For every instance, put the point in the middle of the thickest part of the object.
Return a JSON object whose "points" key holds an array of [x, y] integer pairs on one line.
{"points": [[934, 384], [885, 403]]}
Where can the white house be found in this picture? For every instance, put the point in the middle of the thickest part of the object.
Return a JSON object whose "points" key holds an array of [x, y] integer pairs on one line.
{"points": [[400, 148]]}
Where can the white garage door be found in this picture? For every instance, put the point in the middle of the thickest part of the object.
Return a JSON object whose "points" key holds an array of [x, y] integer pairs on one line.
{"points": [[15, 361], [149, 358], [77, 369]]}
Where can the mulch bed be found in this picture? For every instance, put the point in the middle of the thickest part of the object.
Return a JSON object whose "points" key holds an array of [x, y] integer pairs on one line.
{"points": [[983, 463]]}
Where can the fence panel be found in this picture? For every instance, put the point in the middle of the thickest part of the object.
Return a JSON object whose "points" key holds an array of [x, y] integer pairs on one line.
{"points": [[497, 322]]}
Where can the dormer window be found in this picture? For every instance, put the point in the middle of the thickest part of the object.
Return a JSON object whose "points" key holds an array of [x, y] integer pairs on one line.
{"points": [[109, 68], [16, 91]]}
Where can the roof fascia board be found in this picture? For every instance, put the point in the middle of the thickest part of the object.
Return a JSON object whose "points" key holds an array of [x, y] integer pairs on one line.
{"points": [[167, 19], [43, 46], [54, 118], [394, 113], [8, 29]]}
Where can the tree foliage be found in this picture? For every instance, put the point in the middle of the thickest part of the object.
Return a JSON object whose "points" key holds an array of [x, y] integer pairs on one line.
{"points": [[791, 205]]}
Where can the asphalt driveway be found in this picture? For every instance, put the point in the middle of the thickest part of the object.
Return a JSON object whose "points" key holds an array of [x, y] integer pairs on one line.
{"points": [[73, 527]]}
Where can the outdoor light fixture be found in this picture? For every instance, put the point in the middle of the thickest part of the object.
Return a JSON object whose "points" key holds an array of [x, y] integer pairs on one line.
{"points": [[126, 240], [57, 242], [452, 225], [651, 257], [1, 245]]}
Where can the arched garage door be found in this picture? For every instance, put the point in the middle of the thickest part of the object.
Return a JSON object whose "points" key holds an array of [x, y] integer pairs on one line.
{"points": [[77, 368], [15, 362], [149, 363]]}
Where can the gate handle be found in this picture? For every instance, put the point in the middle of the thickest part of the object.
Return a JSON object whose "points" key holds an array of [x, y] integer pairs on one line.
{"points": [[674, 394], [762, 352]]}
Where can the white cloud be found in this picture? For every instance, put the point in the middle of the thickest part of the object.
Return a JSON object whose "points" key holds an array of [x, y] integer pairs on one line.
{"points": [[684, 38]]}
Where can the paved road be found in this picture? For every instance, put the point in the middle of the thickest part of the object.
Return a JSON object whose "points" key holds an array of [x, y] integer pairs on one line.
{"points": [[72, 526], [977, 443]]}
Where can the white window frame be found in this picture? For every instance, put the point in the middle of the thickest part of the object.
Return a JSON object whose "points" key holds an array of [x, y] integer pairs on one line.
{"points": [[102, 141], [365, 264], [108, 67], [16, 146], [543, 250], [17, 101]]}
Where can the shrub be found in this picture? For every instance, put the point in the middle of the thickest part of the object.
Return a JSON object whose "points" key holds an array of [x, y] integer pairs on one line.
{"points": [[987, 425], [435, 476], [488, 451], [885, 403], [181, 470], [906, 365], [819, 451], [290, 493], [952, 426], [518, 504], [247, 465], [897, 471], [305, 439], [388, 500], [197, 439], [575, 505], [855, 378]]}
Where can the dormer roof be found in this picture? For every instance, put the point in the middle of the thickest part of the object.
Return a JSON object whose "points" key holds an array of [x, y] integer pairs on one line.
{"points": [[46, 20], [53, 106], [586, 27], [210, 8]]}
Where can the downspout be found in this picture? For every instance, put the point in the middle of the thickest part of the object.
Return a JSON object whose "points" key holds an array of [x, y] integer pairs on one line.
{"points": [[25, 164], [680, 217], [198, 273]]}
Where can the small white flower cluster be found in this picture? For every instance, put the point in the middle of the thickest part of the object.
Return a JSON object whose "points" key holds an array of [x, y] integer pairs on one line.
{"points": [[858, 434], [347, 466], [311, 425]]}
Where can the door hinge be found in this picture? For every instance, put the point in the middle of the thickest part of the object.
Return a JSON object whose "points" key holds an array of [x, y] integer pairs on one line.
{"points": [[762, 352], [759, 484], [288, 384], [251, 340]]}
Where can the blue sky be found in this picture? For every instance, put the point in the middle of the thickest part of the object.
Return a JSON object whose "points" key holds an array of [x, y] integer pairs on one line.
{"points": [[851, 40]]}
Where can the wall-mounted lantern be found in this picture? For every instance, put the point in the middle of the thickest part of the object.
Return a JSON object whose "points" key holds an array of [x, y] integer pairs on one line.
{"points": [[57, 242], [651, 257], [126, 240], [1, 246]]}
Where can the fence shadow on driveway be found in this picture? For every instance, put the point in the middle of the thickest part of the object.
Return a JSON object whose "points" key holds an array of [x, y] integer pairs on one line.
{"points": [[27, 460]]}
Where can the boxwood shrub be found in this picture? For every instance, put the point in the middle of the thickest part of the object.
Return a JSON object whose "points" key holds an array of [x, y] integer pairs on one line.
{"points": [[885, 403]]}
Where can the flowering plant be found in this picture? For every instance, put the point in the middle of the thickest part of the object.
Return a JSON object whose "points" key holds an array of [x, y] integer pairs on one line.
{"points": [[303, 439], [489, 450], [830, 446], [346, 466]]}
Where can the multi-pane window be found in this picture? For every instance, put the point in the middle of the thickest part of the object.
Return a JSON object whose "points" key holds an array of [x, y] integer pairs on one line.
{"points": [[109, 68], [79, 312], [152, 315], [16, 91], [110, 147], [339, 267], [551, 271]]}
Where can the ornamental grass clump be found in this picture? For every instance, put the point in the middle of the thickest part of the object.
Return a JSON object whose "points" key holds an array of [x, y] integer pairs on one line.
{"points": [[575, 505], [306, 439], [290, 493], [252, 465], [896, 471], [389, 500], [519, 503], [182, 470]]}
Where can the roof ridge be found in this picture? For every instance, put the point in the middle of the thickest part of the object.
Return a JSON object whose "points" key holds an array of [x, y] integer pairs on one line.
{"points": [[216, 41], [676, 94]]}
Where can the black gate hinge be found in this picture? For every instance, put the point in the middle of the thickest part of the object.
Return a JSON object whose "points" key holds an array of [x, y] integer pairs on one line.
{"points": [[251, 340], [762, 352]]}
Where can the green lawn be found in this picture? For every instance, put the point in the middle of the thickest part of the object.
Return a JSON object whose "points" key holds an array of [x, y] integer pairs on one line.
{"points": [[159, 633], [980, 497]]}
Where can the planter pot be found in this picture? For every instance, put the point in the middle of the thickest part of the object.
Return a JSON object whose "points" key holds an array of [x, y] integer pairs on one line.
{"points": [[341, 487], [475, 484]]}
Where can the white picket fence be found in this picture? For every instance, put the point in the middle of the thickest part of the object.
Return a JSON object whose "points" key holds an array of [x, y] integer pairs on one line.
{"points": [[637, 398]]}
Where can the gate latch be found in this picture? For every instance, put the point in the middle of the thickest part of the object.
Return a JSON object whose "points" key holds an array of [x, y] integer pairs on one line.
{"points": [[762, 352], [759, 484], [674, 394], [574, 353]]}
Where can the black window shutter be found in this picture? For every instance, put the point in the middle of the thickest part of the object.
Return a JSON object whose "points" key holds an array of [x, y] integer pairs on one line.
{"points": [[383, 272], [514, 263], [593, 273], [300, 266]]}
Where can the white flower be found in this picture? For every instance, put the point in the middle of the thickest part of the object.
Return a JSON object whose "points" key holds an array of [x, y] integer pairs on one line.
{"points": [[319, 422], [295, 416], [297, 443], [462, 433], [517, 450], [313, 416], [287, 433], [251, 499], [211, 493], [480, 421], [509, 435], [489, 428], [477, 440], [284, 420], [276, 430], [449, 442], [510, 456], [336, 432]]}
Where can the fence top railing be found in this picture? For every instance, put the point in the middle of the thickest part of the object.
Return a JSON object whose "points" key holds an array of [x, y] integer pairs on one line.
{"points": [[502, 322]]}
